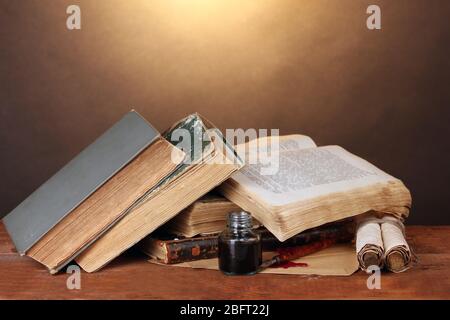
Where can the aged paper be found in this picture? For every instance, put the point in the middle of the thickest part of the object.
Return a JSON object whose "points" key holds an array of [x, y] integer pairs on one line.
{"points": [[381, 242], [285, 143], [369, 244], [308, 173], [339, 260]]}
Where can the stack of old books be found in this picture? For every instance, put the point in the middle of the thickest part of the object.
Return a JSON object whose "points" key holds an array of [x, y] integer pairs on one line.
{"points": [[134, 185], [122, 187], [207, 215], [193, 234], [316, 193]]}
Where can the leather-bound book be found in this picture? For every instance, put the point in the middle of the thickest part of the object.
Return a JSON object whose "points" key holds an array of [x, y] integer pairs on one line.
{"points": [[180, 250], [169, 249]]}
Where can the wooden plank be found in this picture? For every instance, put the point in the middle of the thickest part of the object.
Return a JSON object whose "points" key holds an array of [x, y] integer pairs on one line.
{"points": [[130, 276]]}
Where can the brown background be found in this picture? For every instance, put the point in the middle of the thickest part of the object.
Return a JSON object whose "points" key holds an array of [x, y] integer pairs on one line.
{"points": [[302, 66]]}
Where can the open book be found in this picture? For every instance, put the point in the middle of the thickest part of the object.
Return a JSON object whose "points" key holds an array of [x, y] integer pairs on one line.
{"points": [[312, 186]]}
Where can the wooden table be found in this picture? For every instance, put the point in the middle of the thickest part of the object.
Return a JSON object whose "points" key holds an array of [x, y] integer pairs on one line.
{"points": [[132, 277]]}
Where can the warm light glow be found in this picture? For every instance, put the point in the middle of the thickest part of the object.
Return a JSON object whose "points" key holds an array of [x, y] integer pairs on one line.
{"points": [[209, 15], [198, 48]]}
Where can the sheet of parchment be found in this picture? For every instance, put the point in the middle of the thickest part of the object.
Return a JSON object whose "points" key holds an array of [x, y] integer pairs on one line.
{"points": [[339, 260]]}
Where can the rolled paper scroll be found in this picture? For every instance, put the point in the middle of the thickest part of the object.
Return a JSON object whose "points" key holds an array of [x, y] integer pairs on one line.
{"points": [[369, 243], [397, 252]]}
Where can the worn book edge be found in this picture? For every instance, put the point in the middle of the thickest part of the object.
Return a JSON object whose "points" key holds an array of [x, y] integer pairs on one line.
{"points": [[78, 179]]}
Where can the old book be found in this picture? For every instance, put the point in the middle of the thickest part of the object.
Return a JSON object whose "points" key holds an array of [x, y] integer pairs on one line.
{"points": [[91, 193], [206, 215], [210, 161], [341, 231], [308, 186], [169, 249]]}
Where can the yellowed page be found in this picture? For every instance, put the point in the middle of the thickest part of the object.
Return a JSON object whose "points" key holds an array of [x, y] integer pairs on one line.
{"points": [[285, 143], [308, 173]]}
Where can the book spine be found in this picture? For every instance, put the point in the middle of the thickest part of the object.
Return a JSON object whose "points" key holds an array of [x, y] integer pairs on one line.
{"points": [[192, 249]]}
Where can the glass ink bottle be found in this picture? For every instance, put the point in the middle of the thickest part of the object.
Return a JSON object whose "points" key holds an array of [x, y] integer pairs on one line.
{"points": [[239, 246]]}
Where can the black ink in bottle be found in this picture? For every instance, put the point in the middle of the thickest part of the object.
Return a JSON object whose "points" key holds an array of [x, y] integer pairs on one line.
{"points": [[239, 247]]}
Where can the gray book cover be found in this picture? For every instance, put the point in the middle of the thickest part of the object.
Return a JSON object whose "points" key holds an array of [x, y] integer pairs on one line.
{"points": [[77, 180]]}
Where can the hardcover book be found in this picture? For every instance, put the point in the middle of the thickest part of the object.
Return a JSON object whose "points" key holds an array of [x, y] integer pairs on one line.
{"points": [[127, 183], [210, 161], [205, 216], [91, 193]]}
